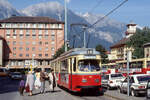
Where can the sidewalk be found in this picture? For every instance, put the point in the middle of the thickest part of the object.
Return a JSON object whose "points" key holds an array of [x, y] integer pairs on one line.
{"points": [[118, 96]]}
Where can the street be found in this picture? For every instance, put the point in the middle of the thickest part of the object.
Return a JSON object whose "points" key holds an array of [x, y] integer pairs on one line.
{"points": [[9, 91]]}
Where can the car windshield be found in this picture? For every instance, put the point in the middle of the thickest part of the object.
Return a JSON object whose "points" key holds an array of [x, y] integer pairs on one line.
{"points": [[116, 75], [143, 78], [88, 65]]}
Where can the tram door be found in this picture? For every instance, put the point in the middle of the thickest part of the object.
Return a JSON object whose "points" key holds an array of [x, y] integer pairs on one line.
{"points": [[71, 72]]}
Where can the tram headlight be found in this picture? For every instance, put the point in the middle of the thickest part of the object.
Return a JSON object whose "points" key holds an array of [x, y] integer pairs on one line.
{"points": [[96, 80], [84, 80]]}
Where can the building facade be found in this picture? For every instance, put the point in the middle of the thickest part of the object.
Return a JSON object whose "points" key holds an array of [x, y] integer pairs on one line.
{"points": [[119, 50], [30, 40]]}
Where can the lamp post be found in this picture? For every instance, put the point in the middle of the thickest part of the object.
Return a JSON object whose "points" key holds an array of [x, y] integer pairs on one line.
{"points": [[65, 25], [129, 56], [33, 55]]}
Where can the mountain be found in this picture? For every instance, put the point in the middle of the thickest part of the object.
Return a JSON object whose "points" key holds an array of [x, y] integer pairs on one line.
{"points": [[105, 32], [7, 10]]}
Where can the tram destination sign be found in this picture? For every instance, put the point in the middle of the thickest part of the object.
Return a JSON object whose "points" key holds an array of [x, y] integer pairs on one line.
{"points": [[90, 56]]}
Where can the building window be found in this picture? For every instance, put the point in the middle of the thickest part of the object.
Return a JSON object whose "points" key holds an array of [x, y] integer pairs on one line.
{"points": [[14, 54], [46, 49], [27, 43], [8, 25], [14, 32], [7, 37], [46, 26], [14, 42], [46, 37], [40, 32], [46, 43], [53, 32], [27, 49], [27, 55], [8, 32], [33, 32], [40, 25], [34, 25], [40, 49], [20, 55], [46, 55], [52, 48], [20, 48], [14, 48], [21, 43], [21, 25], [40, 55], [53, 37], [40, 37], [40, 43], [33, 48], [33, 43], [27, 33], [52, 42], [59, 25]]}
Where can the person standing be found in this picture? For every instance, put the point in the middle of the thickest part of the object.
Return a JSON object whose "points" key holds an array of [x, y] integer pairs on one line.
{"points": [[21, 86], [42, 80], [37, 83], [52, 79], [30, 82]]}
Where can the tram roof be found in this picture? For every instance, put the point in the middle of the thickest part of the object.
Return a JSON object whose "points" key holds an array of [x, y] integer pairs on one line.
{"points": [[81, 51]]}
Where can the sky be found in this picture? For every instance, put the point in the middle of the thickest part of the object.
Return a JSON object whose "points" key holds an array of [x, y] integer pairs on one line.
{"points": [[137, 11]]}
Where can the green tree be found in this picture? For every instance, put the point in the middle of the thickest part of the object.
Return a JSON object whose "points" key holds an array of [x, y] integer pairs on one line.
{"points": [[138, 40], [59, 52], [103, 54]]}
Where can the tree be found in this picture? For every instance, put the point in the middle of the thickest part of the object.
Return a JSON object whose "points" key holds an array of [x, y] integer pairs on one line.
{"points": [[102, 51], [138, 40], [59, 52]]}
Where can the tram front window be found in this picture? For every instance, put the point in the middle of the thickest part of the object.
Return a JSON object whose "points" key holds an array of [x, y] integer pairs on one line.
{"points": [[88, 65]]}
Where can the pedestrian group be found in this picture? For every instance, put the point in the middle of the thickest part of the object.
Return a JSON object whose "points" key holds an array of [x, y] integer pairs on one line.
{"points": [[37, 81]]}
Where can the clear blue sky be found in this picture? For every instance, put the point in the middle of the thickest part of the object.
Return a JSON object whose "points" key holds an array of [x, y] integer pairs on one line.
{"points": [[137, 11]]}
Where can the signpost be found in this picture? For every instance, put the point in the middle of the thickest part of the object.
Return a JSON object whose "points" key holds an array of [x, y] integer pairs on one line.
{"points": [[129, 57]]}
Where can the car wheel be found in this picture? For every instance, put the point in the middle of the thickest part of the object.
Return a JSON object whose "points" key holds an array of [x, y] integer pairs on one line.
{"points": [[133, 92], [120, 90], [108, 87]]}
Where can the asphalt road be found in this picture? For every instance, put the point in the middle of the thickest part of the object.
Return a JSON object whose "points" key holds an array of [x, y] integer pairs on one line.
{"points": [[9, 91]]}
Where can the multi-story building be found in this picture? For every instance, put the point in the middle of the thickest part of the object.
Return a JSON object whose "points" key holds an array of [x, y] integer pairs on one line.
{"points": [[30, 40], [119, 50]]}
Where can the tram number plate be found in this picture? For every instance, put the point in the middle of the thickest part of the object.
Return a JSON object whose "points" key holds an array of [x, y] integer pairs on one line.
{"points": [[90, 57]]}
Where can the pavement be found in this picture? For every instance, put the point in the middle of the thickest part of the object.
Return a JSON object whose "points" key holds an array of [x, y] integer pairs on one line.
{"points": [[118, 96]]}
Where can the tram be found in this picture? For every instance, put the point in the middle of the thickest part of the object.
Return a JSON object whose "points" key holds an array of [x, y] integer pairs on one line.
{"points": [[78, 69]]}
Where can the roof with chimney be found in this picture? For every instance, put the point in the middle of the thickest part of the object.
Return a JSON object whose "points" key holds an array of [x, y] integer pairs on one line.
{"points": [[30, 19]]}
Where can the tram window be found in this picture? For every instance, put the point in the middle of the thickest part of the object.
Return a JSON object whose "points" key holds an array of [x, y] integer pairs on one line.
{"points": [[70, 64], [88, 65], [74, 64], [64, 65]]}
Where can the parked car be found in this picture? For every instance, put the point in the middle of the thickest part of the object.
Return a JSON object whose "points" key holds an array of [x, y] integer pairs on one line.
{"points": [[137, 84], [112, 80], [148, 90], [3, 72], [16, 75]]}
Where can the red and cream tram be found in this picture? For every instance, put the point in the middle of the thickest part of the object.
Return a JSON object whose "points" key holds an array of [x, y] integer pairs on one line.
{"points": [[78, 69]]}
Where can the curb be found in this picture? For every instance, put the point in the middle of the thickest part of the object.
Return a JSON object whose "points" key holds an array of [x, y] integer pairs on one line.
{"points": [[114, 97]]}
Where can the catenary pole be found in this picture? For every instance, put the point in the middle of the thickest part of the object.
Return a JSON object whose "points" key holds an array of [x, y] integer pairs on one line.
{"points": [[65, 25]]}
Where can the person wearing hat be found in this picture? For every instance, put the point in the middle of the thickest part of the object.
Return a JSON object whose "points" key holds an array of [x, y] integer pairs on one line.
{"points": [[30, 82]]}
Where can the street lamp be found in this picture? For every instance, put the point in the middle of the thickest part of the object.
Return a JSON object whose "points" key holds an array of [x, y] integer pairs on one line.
{"points": [[65, 25]]}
